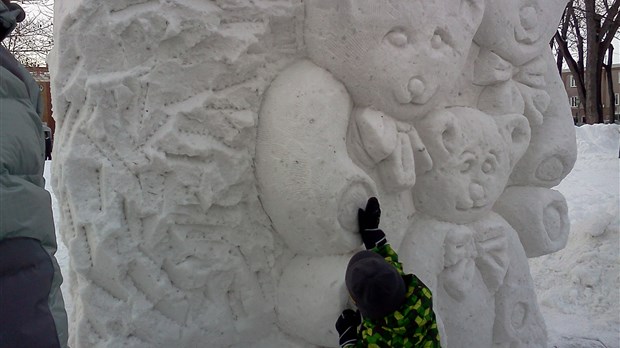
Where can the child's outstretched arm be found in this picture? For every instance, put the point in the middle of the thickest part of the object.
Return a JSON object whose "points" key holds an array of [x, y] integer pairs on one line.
{"points": [[374, 237]]}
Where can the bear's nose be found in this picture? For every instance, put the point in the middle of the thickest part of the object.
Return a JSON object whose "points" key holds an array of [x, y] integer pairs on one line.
{"points": [[476, 191], [416, 87]]}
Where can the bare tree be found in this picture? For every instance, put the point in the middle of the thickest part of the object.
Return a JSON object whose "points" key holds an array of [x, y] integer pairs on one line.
{"points": [[32, 39], [583, 40]]}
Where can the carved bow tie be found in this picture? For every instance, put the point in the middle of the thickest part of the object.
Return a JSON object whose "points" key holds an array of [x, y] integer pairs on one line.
{"points": [[466, 249], [378, 140]]}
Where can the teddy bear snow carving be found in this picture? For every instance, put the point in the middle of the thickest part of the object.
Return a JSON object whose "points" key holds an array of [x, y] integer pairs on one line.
{"points": [[484, 268]]}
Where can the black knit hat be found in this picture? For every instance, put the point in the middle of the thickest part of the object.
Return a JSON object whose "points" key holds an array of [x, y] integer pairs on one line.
{"points": [[376, 286]]}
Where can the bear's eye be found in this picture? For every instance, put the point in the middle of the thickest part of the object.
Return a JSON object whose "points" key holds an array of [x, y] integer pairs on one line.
{"points": [[488, 167], [397, 38], [440, 39], [468, 161], [466, 166]]}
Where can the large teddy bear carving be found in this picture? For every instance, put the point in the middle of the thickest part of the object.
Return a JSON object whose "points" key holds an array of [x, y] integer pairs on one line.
{"points": [[370, 112], [335, 129], [518, 74]]}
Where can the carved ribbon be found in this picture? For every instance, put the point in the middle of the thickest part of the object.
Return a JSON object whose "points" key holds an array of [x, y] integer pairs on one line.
{"points": [[466, 249], [511, 89], [382, 142]]}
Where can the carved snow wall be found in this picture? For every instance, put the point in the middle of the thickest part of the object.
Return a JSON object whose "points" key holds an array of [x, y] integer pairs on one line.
{"points": [[211, 156]]}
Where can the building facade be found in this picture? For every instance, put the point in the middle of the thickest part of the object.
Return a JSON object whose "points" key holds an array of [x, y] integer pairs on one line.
{"points": [[577, 108], [42, 76]]}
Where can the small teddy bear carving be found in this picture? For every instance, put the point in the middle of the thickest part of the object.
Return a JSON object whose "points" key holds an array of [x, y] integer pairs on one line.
{"points": [[472, 156]]}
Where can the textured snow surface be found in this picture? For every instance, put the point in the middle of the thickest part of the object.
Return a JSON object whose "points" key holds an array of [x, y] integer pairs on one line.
{"points": [[212, 155], [577, 287]]}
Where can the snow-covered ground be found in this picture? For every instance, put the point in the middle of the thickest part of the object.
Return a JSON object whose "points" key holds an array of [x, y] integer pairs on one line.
{"points": [[578, 287]]}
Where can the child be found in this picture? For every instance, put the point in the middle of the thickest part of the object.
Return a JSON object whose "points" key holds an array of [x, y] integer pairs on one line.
{"points": [[395, 309]]}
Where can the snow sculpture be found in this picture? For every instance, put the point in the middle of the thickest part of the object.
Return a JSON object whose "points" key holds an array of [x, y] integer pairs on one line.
{"points": [[211, 157], [513, 37], [472, 157]]}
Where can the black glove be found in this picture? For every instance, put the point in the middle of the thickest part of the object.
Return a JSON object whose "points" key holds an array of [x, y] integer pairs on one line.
{"points": [[369, 218], [368, 221], [346, 325]]}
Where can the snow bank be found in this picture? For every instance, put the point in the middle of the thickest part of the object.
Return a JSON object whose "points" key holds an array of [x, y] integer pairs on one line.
{"points": [[578, 286]]}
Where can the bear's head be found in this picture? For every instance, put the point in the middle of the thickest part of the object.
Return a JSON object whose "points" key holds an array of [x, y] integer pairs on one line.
{"points": [[519, 30], [472, 157], [399, 57]]}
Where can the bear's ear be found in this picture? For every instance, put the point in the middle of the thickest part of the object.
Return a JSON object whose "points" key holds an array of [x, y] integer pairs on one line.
{"points": [[440, 134], [516, 131], [450, 135]]}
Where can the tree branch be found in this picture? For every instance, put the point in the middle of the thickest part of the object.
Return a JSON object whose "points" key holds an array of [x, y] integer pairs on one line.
{"points": [[609, 27]]}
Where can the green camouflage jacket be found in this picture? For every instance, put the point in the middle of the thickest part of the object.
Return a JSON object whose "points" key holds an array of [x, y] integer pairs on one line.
{"points": [[413, 325]]}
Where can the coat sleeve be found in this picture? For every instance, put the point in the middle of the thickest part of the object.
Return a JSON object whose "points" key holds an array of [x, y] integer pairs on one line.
{"points": [[390, 256], [25, 205], [24, 202]]}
